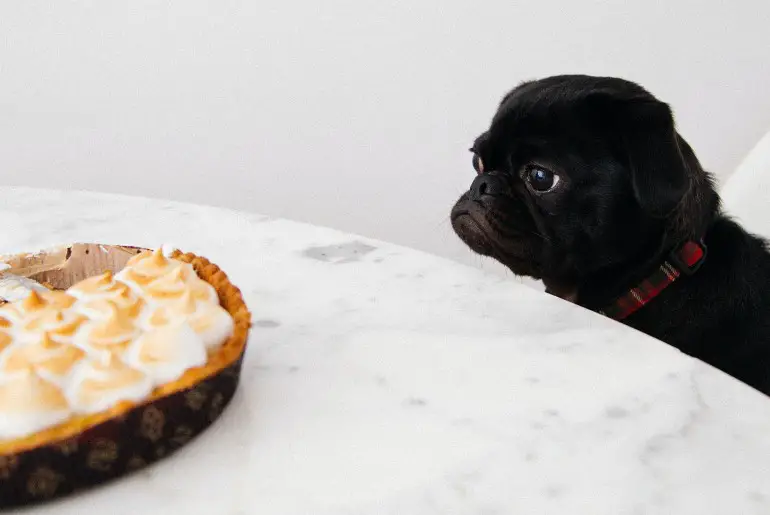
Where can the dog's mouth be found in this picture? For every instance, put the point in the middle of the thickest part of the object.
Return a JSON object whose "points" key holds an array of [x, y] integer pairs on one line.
{"points": [[474, 231], [487, 232]]}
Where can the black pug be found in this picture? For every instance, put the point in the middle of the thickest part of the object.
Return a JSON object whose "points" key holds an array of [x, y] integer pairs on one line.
{"points": [[584, 182]]}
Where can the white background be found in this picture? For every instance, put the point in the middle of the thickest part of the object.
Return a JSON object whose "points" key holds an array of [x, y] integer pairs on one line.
{"points": [[351, 113]]}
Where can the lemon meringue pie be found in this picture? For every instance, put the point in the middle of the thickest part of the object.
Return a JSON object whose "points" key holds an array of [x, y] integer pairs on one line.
{"points": [[72, 359]]}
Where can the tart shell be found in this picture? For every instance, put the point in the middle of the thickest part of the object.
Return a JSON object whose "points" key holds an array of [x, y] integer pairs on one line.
{"points": [[89, 450]]}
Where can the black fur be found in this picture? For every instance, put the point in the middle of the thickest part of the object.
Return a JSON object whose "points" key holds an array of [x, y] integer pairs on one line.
{"points": [[630, 189]]}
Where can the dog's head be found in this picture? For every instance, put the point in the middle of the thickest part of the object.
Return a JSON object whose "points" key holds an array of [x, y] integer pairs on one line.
{"points": [[581, 175]]}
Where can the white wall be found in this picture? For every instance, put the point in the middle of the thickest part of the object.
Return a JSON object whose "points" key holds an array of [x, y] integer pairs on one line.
{"points": [[350, 113]]}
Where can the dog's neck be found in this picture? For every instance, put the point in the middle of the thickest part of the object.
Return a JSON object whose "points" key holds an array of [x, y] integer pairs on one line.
{"points": [[602, 287]]}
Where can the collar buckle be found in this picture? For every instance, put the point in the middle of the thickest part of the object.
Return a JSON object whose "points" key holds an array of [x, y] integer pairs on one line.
{"points": [[689, 256]]}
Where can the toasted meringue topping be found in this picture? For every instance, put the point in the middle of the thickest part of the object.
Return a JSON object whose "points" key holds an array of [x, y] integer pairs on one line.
{"points": [[115, 330], [214, 325], [166, 352], [100, 384], [144, 268], [14, 287], [96, 294], [67, 332], [204, 292], [159, 317], [58, 299], [36, 304], [48, 320], [54, 361], [31, 304], [29, 403], [5, 340], [126, 302], [168, 287], [9, 314], [96, 286], [210, 322], [54, 317], [187, 304]]}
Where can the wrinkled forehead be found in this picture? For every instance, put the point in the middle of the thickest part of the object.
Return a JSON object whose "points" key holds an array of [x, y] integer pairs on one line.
{"points": [[523, 130], [546, 113]]}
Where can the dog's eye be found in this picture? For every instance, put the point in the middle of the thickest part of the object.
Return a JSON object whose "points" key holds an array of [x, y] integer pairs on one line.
{"points": [[540, 179], [478, 164]]}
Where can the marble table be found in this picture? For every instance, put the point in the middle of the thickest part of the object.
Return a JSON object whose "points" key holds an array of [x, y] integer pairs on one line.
{"points": [[380, 380]]}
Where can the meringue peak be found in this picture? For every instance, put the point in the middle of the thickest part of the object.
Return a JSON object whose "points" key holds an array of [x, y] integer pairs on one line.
{"points": [[116, 328], [33, 302], [25, 390], [158, 258]]}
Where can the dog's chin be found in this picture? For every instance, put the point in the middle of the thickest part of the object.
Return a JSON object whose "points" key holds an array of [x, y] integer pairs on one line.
{"points": [[472, 227], [473, 235]]}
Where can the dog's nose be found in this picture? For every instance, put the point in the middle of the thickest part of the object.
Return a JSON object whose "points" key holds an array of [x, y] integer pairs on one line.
{"points": [[487, 185]]}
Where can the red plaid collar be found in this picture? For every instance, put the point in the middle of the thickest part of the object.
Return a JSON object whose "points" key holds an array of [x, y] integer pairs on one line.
{"points": [[684, 260]]}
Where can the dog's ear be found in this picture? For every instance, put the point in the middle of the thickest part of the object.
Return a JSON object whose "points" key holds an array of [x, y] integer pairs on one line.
{"points": [[660, 174], [647, 139]]}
